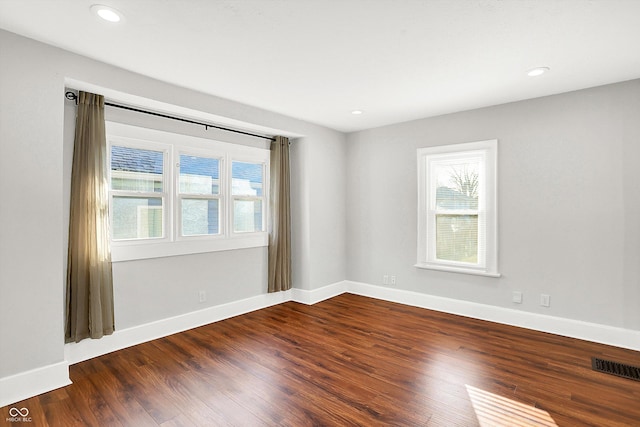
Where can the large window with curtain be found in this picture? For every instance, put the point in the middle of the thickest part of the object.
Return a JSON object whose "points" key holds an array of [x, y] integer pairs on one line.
{"points": [[457, 214], [172, 194]]}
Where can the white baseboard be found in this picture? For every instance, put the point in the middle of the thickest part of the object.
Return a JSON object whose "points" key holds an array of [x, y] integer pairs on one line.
{"points": [[32, 383], [88, 349], [315, 296], [618, 337], [24, 385]]}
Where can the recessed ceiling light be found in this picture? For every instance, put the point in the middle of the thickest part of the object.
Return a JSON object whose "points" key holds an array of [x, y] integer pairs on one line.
{"points": [[107, 13], [356, 112], [538, 71]]}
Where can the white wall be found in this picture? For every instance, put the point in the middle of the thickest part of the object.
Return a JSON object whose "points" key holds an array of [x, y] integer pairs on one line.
{"points": [[31, 252], [320, 187], [35, 163], [569, 204]]}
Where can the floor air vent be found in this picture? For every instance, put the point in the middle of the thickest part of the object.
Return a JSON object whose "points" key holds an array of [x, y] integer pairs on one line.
{"points": [[615, 368]]}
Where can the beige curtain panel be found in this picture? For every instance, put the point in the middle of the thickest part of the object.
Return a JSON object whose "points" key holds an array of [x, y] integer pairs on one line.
{"points": [[89, 299], [280, 228]]}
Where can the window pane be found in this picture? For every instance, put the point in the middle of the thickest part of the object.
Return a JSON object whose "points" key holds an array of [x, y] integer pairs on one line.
{"points": [[457, 185], [199, 175], [135, 169], [136, 217], [457, 238], [247, 179], [200, 217], [247, 215]]}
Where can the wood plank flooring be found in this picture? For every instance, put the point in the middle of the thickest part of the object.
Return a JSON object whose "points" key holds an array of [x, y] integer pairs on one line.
{"points": [[347, 361]]}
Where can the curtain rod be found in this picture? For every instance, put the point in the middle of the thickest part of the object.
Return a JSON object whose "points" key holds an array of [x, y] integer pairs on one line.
{"points": [[73, 97]]}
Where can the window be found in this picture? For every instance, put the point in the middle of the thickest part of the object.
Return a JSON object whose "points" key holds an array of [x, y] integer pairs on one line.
{"points": [[138, 192], [173, 194], [457, 210], [199, 195], [248, 196]]}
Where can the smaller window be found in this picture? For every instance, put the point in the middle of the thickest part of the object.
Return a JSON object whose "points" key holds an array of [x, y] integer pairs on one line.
{"points": [[248, 197], [138, 193], [457, 218], [199, 195]]}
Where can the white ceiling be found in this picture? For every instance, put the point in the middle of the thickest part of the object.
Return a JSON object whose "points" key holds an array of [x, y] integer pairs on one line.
{"points": [[318, 60]]}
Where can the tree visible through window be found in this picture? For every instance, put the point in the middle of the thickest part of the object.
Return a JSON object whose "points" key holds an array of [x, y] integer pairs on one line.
{"points": [[456, 216], [457, 222]]}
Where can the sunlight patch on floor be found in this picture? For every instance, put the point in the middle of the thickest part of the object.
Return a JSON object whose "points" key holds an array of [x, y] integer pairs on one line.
{"points": [[497, 411]]}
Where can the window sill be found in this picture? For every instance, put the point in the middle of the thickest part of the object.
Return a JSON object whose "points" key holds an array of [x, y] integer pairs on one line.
{"points": [[131, 252], [460, 270]]}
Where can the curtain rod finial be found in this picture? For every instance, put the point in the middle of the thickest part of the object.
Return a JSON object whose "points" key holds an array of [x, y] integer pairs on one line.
{"points": [[71, 96]]}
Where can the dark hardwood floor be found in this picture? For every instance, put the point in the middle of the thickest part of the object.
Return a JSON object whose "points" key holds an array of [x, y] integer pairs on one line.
{"points": [[346, 361]]}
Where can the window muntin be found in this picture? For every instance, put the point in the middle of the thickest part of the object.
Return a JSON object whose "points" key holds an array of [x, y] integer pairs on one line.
{"points": [[457, 228], [177, 195]]}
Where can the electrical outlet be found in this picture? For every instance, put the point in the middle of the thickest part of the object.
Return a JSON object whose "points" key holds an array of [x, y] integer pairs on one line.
{"points": [[392, 282], [385, 279], [517, 297], [202, 296], [545, 300]]}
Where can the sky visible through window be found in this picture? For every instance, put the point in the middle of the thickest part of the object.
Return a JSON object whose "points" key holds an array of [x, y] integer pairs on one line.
{"points": [[138, 171]]}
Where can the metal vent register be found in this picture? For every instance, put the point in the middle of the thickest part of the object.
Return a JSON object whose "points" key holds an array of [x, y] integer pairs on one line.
{"points": [[615, 368]]}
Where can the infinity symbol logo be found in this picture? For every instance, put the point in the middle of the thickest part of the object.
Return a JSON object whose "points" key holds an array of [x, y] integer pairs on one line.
{"points": [[14, 412]]}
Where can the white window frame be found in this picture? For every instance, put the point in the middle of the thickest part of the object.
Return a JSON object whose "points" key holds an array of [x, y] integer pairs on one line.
{"points": [[221, 196], [164, 195], [487, 153], [233, 198], [172, 144]]}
